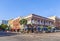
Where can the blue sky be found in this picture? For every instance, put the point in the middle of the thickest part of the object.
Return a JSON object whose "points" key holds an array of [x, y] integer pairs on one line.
{"points": [[14, 8]]}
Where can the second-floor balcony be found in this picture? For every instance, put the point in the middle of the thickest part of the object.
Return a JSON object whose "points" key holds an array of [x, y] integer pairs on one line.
{"points": [[40, 22], [37, 22]]}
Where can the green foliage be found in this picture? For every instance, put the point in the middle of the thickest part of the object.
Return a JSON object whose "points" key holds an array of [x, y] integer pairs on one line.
{"points": [[23, 21], [3, 26], [41, 27], [49, 27]]}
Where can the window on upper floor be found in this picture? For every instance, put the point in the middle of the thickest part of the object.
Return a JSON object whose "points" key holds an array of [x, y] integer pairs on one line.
{"points": [[38, 20], [50, 22], [31, 19], [42, 21]]}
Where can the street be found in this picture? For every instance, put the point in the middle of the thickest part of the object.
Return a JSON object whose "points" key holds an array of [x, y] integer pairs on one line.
{"points": [[30, 37]]}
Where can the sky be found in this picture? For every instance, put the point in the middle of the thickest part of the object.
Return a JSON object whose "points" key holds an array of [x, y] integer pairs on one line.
{"points": [[14, 8]]}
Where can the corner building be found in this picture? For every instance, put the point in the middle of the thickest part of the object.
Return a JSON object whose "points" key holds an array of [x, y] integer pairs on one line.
{"points": [[37, 21]]}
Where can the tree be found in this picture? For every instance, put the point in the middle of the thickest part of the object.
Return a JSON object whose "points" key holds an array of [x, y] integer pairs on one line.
{"points": [[3, 26], [41, 28], [23, 22], [0, 27], [49, 28]]}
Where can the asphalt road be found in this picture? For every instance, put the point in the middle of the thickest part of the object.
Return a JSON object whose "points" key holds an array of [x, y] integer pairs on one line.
{"points": [[3, 34]]}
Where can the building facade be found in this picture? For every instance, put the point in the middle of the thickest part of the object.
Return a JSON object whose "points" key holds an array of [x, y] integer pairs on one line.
{"points": [[38, 21], [56, 21], [4, 22], [14, 24], [35, 21]]}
